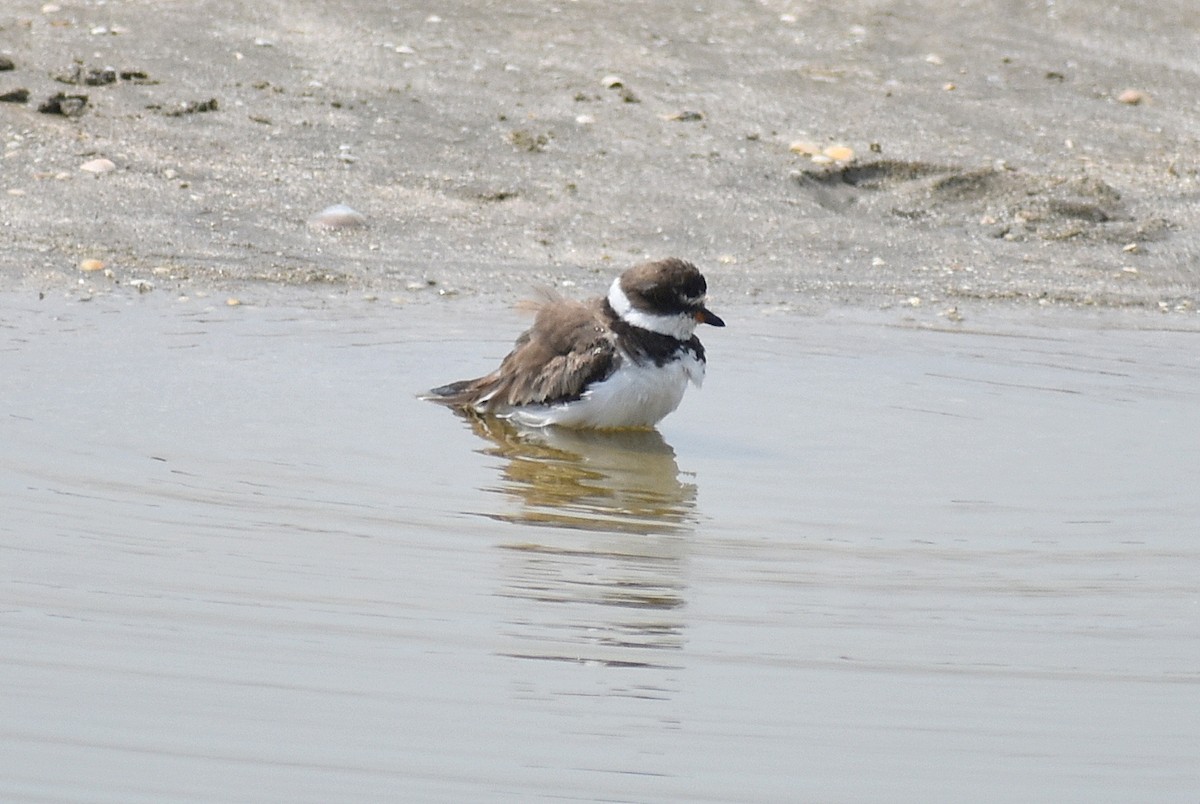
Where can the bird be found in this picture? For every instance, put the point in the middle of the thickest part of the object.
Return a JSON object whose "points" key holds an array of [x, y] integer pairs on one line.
{"points": [[621, 361]]}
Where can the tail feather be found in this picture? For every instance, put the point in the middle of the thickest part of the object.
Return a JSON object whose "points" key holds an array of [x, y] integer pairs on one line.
{"points": [[450, 390], [455, 393], [467, 394]]}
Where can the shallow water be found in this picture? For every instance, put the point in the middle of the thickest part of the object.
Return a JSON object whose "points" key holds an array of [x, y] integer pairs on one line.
{"points": [[865, 562]]}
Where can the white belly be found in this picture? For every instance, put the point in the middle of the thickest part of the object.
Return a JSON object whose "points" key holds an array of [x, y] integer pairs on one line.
{"points": [[634, 396]]}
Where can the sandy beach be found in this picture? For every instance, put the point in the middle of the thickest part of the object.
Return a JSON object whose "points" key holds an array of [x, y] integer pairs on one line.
{"points": [[982, 153]]}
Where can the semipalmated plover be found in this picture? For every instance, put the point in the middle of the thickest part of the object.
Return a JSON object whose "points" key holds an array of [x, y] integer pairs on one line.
{"points": [[619, 361]]}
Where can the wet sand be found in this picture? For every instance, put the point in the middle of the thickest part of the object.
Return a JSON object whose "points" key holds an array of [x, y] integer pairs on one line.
{"points": [[246, 563], [489, 148]]}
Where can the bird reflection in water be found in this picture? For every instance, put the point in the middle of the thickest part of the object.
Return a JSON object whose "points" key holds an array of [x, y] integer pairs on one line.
{"points": [[622, 480], [600, 575]]}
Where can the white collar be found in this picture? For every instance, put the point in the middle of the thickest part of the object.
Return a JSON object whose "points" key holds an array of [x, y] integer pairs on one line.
{"points": [[680, 326]]}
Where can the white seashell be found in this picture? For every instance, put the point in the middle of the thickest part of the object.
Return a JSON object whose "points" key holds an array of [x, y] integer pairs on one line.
{"points": [[98, 166], [338, 216]]}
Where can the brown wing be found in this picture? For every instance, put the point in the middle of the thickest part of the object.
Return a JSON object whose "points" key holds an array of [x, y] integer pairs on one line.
{"points": [[567, 348]]}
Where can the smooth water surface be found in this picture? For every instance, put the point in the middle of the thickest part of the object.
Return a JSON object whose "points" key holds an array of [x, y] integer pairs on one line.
{"points": [[243, 562]]}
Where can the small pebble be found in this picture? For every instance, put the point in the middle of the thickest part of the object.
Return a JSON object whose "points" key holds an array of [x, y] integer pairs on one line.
{"points": [[233, 302], [528, 141], [338, 216], [98, 166], [91, 265], [64, 104], [611, 82], [949, 86], [191, 107], [839, 153], [822, 156], [1132, 97], [1130, 248], [951, 314], [585, 120], [934, 58]]}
